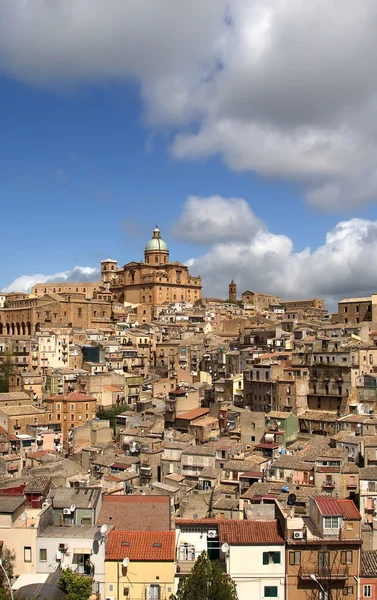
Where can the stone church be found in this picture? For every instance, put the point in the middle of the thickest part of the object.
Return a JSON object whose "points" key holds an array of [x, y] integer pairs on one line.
{"points": [[153, 282]]}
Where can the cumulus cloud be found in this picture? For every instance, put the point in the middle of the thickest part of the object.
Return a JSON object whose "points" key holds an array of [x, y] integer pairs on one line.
{"points": [[267, 262], [285, 89], [212, 219], [26, 282]]}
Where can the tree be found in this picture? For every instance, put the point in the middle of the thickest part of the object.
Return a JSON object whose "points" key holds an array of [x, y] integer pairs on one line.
{"points": [[75, 586], [8, 559], [112, 413], [6, 368], [206, 582]]}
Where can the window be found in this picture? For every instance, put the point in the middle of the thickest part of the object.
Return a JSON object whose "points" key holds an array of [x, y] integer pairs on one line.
{"points": [[58, 406], [27, 554], [367, 591], [110, 587], [72, 417], [58, 417], [154, 592], [349, 526], [371, 359], [295, 558], [331, 522], [348, 590], [271, 558], [43, 554], [346, 557], [371, 486], [72, 407], [270, 591], [79, 312]]}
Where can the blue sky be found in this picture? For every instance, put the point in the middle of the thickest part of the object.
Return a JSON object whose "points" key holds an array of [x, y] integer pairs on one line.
{"points": [[92, 159]]}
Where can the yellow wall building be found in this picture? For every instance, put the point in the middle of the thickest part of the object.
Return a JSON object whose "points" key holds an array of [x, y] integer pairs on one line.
{"points": [[140, 565]]}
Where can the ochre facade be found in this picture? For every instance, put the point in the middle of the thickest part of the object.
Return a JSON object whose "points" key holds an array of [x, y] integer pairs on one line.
{"points": [[153, 282]]}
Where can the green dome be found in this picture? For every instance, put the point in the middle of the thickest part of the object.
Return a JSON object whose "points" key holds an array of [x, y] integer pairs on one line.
{"points": [[156, 243]]}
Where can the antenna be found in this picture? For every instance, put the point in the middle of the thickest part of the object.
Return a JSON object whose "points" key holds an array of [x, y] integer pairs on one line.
{"points": [[104, 529], [126, 562]]}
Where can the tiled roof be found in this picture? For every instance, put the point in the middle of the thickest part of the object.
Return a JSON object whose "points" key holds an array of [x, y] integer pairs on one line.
{"points": [[250, 532], [136, 513], [368, 473], [37, 485], [195, 413], [72, 396], [328, 506], [349, 510], [141, 545], [368, 563]]}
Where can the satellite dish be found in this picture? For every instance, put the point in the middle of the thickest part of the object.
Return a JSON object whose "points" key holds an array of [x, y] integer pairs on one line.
{"points": [[195, 516], [126, 562], [95, 547], [97, 536], [73, 507], [104, 529], [225, 548], [291, 500], [24, 516]]}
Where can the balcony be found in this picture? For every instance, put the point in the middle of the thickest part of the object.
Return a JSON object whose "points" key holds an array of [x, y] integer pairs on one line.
{"points": [[328, 485], [351, 485], [333, 573]]}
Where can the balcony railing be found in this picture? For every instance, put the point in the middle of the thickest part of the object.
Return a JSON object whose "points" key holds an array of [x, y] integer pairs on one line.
{"points": [[329, 573], [328, 485]]}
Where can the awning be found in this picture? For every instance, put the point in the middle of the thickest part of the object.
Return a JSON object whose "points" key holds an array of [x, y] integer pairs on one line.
{"points": [[82, 551]]}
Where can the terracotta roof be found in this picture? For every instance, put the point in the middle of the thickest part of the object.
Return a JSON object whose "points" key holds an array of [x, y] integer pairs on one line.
{"points": [[368, 563], [328, 506], [136, 513], [141, 545], [195, 413], [349, 510], [250, 532], [72, 396], [112, 388]]}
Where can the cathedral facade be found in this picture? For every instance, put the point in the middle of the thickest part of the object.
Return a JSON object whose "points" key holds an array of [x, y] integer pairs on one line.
{"points": [[154, 282]]}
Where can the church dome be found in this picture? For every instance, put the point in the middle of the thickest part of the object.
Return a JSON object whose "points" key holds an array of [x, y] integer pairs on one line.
{"points": [[156, 243]]}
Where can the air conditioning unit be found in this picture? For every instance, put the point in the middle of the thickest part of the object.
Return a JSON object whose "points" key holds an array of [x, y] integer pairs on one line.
{"points": [[298, 535], [212, 533], [66, 511], [62, 547]]}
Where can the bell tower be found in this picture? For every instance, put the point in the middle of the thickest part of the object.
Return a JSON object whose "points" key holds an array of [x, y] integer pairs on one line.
{"points": [[232, 292]]}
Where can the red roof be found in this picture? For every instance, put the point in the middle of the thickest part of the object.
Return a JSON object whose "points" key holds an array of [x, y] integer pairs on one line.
{"points": [[193, 414], [120, 466], [72, 396], [328, 506], [250, 532], [349, 509], [141, 545], [267, 446]]}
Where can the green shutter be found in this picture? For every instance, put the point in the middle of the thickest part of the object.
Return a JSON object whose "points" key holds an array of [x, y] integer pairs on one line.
{"points": [[277, 558], [265, 558]]}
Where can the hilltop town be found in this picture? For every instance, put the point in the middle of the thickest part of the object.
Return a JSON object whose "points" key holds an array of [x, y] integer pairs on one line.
{"points": [[141, 421]]}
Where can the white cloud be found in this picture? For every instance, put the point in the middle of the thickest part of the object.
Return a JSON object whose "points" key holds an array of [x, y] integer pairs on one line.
{"points": [[26, 282], [285, 88], [267, 262], [212, 219]]}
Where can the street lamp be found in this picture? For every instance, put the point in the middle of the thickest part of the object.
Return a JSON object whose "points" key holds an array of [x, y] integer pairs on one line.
{"points": [[7, 578], [314, 578]]}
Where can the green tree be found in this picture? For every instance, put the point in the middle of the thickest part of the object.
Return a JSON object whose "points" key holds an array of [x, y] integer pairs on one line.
{"points": [[8, 559], [75, 586], [206, 582], [112, 413], [6, 368]]}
